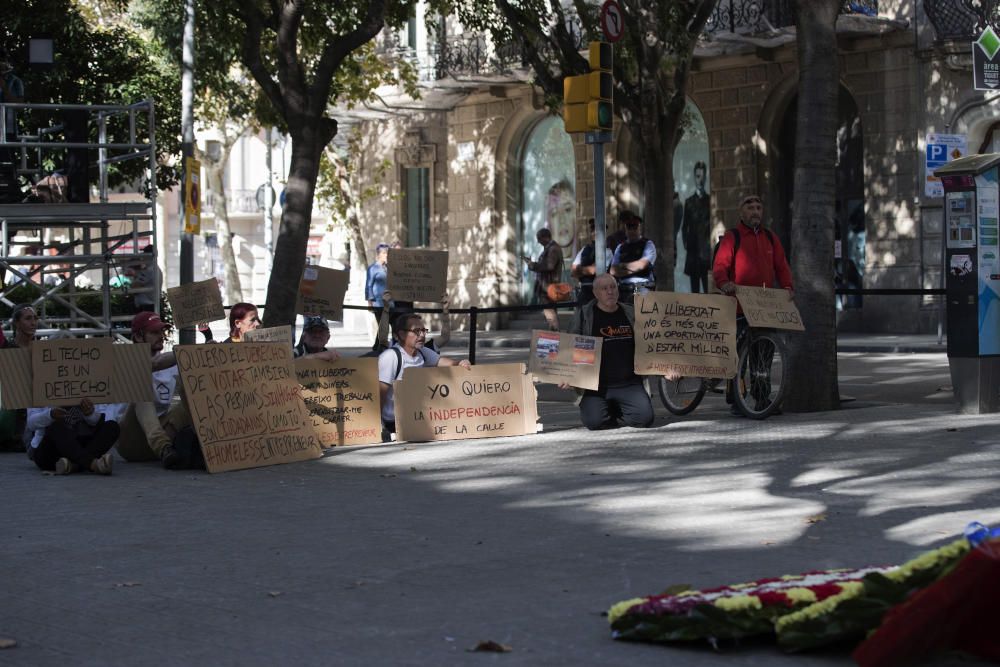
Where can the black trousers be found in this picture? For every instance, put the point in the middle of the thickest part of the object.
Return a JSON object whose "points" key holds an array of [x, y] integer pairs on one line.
{"points": [[61, 441], [605, 407]]}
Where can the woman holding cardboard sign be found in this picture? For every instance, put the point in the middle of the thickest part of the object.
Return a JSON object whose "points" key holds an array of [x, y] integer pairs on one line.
{"points": [[621, 398]]}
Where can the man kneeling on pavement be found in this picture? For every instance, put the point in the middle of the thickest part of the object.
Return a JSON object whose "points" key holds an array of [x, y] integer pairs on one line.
{"points": [[621, 397], [148, 429]]}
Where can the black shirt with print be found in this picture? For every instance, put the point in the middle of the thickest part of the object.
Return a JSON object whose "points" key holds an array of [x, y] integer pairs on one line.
{"points": [[618, 349]]}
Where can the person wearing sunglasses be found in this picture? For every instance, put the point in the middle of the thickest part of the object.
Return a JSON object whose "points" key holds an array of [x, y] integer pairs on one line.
{"points": [[407, 352], [242, 318]]}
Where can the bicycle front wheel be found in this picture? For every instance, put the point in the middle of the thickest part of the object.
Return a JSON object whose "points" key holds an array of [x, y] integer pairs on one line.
{"points": [[761, 376], [682, 395]]}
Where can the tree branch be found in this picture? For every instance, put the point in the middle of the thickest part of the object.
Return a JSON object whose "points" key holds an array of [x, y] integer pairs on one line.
{"points": [[338, 48], [254, 21]]}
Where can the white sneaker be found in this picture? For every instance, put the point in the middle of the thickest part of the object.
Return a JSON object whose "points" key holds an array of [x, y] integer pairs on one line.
{"points": [[103, 465], [64, 467]]}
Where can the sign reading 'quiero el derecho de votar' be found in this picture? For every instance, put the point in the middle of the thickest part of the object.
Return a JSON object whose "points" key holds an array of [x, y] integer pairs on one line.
{"points": [[246, 405]]}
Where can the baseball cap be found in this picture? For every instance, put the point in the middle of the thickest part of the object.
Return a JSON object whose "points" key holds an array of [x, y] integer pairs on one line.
{"points": [[751, 199], [148, 321], [381, 246], [314, 322]]}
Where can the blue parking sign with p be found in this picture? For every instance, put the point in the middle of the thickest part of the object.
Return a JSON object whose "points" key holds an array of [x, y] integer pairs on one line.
{"points": [[937, 154]]}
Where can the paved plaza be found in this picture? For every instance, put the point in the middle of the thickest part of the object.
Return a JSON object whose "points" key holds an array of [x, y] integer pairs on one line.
{"points": [[410, 554]]}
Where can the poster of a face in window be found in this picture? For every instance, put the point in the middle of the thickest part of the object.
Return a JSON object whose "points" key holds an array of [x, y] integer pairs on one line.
{"points": [[560, 215]]}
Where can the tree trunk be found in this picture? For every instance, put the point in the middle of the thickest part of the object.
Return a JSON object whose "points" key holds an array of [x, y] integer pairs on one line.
{"points": [[308, 142], [813, 355], [234, 291], [350, 206], [658, 223]]}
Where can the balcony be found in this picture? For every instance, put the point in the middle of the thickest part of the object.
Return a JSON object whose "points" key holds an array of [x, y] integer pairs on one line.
{"points": [[961, 20], [238, 202], [757, 16]]}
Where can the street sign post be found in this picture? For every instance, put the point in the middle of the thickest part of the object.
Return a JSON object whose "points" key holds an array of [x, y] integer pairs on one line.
{"points": [[986, 60]]}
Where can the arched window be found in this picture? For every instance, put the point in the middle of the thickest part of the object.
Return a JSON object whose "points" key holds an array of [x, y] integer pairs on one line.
{"points": [[548, 192]]}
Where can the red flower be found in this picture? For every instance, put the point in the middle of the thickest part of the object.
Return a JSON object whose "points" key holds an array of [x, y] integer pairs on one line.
{"points": [[823, 591], [774, 599]]}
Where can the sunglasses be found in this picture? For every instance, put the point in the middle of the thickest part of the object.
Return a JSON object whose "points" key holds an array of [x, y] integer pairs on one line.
{"points": [[419, 331]]}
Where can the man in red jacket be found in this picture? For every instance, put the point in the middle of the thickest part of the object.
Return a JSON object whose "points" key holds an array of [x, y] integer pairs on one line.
{"points": [[758, 261]]}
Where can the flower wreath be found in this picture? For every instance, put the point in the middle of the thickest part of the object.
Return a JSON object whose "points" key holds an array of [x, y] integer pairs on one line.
{"points": [[804, 611]]}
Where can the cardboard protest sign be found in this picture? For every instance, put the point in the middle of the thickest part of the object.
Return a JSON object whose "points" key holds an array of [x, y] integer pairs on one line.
{"points": [[245, 405], [130, 378], [321, 292], [417, 275], [133, 368], [770, 308], [693, 335], [563, 357], [269, 335], [15, 379], [453, 403], [67, 370], [195, 303], [343, 399]]}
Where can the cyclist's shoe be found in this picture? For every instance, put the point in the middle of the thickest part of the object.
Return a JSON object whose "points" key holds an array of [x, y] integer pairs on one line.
{"points": [[735, 411]]}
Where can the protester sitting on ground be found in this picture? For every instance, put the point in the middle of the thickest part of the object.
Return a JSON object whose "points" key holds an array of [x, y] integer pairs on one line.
{"points": [[148, 429], [620, 394], [407, 352], [23, 324], [312, 342], [242, 318], [67, 440], [444, 336]]}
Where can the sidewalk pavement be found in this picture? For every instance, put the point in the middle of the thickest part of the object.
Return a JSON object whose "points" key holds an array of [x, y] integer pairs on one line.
{"points": [[411, 553]]}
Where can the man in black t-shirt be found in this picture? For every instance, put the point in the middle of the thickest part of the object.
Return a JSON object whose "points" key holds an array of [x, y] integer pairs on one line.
{"points": [[620, 394]]}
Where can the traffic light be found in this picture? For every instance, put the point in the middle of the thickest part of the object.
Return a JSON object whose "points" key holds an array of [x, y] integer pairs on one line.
{"points": [[587, 97]]}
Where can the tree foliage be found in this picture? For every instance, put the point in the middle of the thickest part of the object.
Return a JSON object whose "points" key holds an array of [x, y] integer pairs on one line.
{"points": [[651, 66], [107, 63]]}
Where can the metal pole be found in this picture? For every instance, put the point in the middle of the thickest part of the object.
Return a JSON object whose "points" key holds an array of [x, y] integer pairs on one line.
{"points": [[269, 205], [187, 335], [598, 140], [473, 316]]}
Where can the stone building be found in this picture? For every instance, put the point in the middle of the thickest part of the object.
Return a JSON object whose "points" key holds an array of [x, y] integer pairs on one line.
{"points": [[478, 163]]}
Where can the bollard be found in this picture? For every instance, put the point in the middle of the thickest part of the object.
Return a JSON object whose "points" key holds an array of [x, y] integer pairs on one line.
{"points": [[473, 314]]}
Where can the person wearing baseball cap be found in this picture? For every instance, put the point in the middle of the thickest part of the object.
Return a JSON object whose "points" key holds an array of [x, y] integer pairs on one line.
{"points": [[147, 429], [312, 343]]}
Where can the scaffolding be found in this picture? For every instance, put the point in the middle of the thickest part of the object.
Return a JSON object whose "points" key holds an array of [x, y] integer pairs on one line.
{"points": [[60, 243]]}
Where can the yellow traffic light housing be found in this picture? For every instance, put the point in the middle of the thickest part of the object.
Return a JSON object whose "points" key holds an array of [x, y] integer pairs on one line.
{"points": [[587, 103]]}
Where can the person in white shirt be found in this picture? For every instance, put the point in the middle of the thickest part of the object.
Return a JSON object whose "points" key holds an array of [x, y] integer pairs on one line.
{"points": [[407, 352], [148, 429], [66, 440]]}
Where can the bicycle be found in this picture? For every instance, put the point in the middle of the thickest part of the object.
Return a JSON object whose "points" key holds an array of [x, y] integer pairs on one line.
{"points": [[760, 381]]}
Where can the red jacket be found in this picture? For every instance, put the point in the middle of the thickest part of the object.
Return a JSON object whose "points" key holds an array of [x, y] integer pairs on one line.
{"points": [[759, 262]]}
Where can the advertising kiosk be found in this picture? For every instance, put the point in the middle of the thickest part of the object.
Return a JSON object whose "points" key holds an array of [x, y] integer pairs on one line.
{"points": [[972, 283]]}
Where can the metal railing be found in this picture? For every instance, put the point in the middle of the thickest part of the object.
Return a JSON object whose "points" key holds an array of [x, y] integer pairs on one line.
{"points": [[756, 16], [961, 19]]}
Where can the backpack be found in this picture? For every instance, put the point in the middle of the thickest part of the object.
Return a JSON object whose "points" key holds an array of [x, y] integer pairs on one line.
{"points": [[736, 243], [399, 357]]}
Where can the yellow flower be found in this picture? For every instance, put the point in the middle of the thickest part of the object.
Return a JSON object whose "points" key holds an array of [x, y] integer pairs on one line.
{"points": [[848, 589], [618, 610], [738, 603], [800, 595], [930, 559]]}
